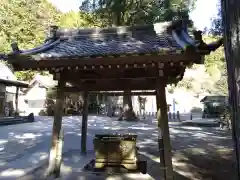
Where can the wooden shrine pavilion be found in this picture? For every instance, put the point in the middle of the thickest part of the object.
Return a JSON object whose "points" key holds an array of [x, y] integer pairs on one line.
{"points": [[145, 57]]}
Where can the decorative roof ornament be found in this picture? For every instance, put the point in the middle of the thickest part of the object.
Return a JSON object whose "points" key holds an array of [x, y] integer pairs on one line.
{"points": [[53, 32], [202, 46], [15, 47], [198, 38]]}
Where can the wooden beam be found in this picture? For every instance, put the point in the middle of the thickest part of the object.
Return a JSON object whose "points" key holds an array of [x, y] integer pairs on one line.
{"points": [[16, 101], [114, 85], [27, 62], [84, 123], [143, 93], [110, 88], [2, 99], [110, 74], [163, 133], [56, 149]]}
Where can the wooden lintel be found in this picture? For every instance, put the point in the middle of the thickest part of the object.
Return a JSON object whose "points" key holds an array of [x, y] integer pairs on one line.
{"points": [[112, 86], [143, 93], [109, 74], [116, 85], [21, 63]]}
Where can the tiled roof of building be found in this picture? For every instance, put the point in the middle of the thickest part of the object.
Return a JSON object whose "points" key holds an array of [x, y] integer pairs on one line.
{"points": [[168, 38], [214, 99], [16, 83], [114, 41], [46, 81]]}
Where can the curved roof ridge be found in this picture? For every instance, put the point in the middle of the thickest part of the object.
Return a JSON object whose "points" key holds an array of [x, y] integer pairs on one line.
{"points": [[156, 27], [57, 35], [44, 47]]}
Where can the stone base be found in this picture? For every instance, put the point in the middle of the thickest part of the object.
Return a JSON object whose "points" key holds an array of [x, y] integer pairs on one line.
{"points": [[104, 176], [139, 166], [128, 115], [127, 165]]}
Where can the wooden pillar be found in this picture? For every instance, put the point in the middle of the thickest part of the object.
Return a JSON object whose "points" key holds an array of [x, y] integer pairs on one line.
{"points": [[16, 101], [127, 99], [84, 123], [163, 133], [57, 133], [97, 100]]}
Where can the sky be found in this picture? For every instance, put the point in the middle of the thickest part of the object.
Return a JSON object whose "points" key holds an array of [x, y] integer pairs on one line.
{"points": [[201, 16]]}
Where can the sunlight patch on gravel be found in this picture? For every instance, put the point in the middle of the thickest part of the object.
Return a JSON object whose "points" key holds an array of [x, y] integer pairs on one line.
{"points": [[17, 144], [182, 168], [154, 158], [197, 151]]}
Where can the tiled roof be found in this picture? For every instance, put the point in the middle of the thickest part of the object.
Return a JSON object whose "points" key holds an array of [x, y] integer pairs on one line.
{"points": [[159, 38], [8, 82], [214, 99], [85, 46], [108, 42], [46, 81]]}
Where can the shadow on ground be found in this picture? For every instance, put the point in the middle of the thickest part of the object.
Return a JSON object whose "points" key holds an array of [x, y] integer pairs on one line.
{"points": [[206, 164], [198, 152]]}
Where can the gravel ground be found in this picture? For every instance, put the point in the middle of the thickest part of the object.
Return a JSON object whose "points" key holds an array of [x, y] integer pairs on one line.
{"points": [[199, 153]]}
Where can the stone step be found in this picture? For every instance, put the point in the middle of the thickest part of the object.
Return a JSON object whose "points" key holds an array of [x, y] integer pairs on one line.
{"points": [[201, 123], [4, 121]]}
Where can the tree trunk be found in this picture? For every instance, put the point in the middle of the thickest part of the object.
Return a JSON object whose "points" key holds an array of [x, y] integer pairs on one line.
{"points": [[128, 114], [231, 26]]}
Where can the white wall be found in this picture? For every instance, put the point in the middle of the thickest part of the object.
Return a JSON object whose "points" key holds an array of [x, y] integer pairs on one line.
{"points": [[7, 73], [35, 93]]}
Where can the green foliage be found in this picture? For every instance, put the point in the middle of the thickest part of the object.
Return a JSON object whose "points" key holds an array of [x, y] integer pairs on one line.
{"points": [[217, 28], [222, 84], [51, 94], [215, 60], [215, 63], [170, 88], [78, 19], [130, 12], [25, 21], [28, 75], [186, 83]]}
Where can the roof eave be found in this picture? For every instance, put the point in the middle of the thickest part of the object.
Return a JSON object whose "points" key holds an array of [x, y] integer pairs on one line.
{"points": [[14, 83], [178, 29]]}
